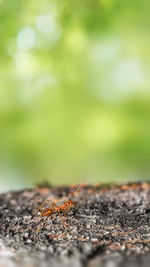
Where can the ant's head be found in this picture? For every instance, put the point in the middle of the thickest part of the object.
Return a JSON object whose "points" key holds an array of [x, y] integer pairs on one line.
{"points": [[70, 203]]}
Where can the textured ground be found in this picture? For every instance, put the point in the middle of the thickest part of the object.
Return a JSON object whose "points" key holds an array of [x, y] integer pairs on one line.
{"points": [[107, 226]]}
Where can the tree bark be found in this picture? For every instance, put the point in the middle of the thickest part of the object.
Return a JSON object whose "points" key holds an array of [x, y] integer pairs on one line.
{"points": [[102, 225]]}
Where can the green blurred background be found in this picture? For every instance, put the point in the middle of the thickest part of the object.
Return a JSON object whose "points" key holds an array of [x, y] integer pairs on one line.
{"points": [[74, 91]]}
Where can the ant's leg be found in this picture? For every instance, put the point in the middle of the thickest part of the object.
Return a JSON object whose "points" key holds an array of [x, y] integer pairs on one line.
{"points": [[64, 213], [41, 207], [64, 223], [60, 215], [54, 204], [43, 204], [62, 219], [42, 212], [38, 229]]}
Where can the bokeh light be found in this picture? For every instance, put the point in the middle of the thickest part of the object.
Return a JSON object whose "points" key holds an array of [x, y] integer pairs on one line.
{"points": [[75, 91]]}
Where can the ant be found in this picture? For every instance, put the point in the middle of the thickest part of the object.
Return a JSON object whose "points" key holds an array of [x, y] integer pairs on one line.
{"points": [[53, 208]]}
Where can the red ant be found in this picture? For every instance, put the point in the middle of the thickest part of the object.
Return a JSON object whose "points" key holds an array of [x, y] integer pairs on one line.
{"points": [[53, 208]]}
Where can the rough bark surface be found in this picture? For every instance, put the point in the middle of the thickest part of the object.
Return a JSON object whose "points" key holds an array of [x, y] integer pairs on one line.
{"points": [[108, 226]]}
